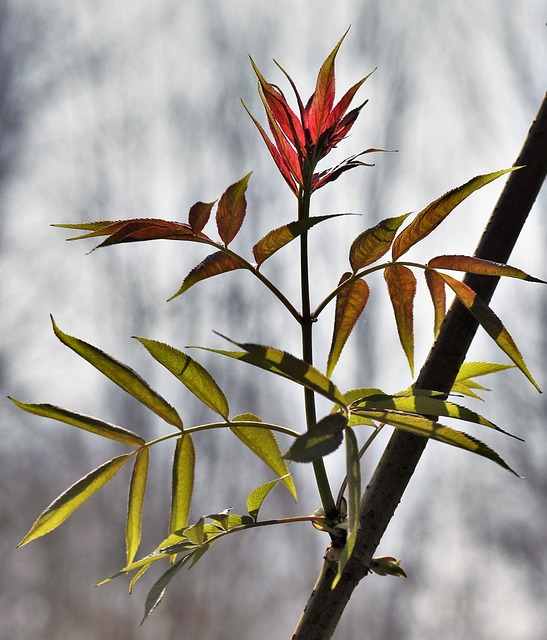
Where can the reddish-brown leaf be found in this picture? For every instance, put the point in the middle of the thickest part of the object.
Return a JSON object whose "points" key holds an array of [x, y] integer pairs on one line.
{"points": [[401, 285], [199, 215], [471, 264], [375, 242], [489, 322], [432, 216], [231, 210], [350, 302], [436, 287], [213, 265]]}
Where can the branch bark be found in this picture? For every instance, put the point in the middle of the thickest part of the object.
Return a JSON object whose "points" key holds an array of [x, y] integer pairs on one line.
{"points": [[396, 467]]}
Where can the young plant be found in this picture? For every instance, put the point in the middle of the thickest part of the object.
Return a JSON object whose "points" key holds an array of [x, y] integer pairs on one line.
{"points": [[298, 140]]}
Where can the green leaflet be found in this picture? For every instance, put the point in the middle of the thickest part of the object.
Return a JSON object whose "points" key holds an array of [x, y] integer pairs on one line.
{"points": [[323, 438], [287, 365], [137, 490], [157, 591], [213, 265], [426, 405], [354, 499], [231, 210], [350, 303], [82, 421], [489, 322], [65, 505], [122, 375], [476, 369], [195, 377], [263, 443], [431, 217], [278, 238], [428, 428], [182, 482], [257, 496], [401, 286]]}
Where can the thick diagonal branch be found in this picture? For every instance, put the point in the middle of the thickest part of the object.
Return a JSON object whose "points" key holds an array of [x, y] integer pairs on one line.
{"points": [[396, 467]]}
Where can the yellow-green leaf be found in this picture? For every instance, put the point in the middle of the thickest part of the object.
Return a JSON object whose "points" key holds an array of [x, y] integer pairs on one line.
{"points": [[231, 210], [65, 505], [476, 369], [125, 377], [182, 483], [350, 303], [213, 265], [257, 496], [401, 285], [490, 323], [436, 287], [470, 264], [82, 421], [263, 443], [323, 438], [431, 217], [192, 375], [137, 490], [375, 242]]}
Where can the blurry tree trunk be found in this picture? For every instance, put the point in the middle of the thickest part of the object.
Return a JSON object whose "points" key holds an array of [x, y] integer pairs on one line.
{"points": [[396, 467]]}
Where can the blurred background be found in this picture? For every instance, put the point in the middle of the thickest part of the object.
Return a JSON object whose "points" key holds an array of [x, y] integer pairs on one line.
{"points": [[111, 110]]}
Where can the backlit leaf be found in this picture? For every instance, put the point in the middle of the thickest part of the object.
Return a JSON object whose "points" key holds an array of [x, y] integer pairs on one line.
{"points": [[195, 377], [375, 242], [257, 496], [436, 287], [323, 438], [65, 505], [428, 428], [182, 482], [353, 470], [490, 323], [213, 265], [350, 303], [278, 238], [199, 214], [471, 264], [157, 591], [82, 421], [477, 369], [231, 210], [289, 366], [137, 490], [401, 285], [431, 217], [263, 443], [125, 377]]}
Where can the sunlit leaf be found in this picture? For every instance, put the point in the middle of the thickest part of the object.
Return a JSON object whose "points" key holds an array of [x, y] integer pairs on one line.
{"points": [[196, 532], [213, 265], [323, 438], [401, 285], [350, 303], [228, 520], [477, 369], [231, 210], [490, 323], [436, 287], [65, 505], [122, 375], [471, 264], [137, 490], [353, 470], [428, 428], [289, 366], [375, 242], [263, 443], [193, 375], [182, 482], [82, 421], [278, 238], [199, 214], [431, 217], [256, 498]]}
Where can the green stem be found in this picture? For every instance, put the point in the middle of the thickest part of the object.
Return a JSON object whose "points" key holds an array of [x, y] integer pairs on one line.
{"points": [[307, 321]]}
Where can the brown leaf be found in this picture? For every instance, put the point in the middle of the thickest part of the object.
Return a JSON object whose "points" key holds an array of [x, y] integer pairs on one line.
{"points": [[401, 285]]}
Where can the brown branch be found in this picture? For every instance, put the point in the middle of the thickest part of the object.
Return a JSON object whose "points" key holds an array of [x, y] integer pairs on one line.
{"points": [[396, 467]]}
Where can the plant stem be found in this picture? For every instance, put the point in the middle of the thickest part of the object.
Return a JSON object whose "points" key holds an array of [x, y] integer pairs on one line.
{"points": [[307, 321]]}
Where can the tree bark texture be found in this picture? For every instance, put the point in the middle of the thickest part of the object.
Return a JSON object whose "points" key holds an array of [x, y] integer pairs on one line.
{"points": [[396, 467]]}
